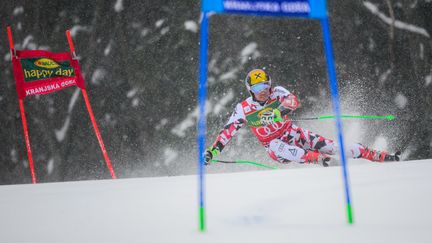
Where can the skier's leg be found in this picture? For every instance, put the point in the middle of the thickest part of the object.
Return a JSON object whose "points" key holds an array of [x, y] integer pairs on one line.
{"points": [[360, 151], [284, 153], [311, 141], [352, 150], [308, 140], [357, 150]]}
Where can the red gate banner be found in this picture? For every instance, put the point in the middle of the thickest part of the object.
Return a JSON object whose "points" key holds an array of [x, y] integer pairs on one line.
{"points": [[42, 72]]}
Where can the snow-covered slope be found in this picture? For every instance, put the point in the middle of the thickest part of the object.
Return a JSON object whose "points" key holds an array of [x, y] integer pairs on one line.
{"points": [[392, 203]]}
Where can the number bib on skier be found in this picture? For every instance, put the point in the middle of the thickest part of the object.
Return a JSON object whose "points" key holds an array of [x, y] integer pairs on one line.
{"points": [[264, 133]]}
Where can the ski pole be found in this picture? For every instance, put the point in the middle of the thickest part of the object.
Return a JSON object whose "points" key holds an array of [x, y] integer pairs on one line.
{"points": [[244, 162], [389, 117]]}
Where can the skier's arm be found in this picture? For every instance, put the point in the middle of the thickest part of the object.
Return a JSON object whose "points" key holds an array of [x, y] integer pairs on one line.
{"points": [[236, 121], [289, 102]]}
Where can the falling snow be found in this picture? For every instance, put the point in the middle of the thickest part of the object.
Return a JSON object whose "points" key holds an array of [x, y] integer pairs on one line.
{"points": [[18, 11], [118, 7], [191, 26], [397, 23], [401, 101]]}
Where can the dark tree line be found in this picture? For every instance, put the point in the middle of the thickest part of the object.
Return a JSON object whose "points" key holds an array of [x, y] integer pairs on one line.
{"points": [[141, 66]]}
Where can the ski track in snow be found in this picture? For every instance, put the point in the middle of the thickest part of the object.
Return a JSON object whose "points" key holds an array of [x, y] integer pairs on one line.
{"points": [[391, 203]]}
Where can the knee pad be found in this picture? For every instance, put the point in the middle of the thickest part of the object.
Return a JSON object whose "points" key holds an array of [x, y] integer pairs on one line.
{"points": [[354, 150], [330, 148]]}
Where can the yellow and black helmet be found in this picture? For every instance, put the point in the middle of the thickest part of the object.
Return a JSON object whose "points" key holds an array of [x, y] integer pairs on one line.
{"points": [[257, 80]]}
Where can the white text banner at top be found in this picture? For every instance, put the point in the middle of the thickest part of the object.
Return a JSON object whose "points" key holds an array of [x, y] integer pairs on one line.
{"points": [[290, 8]]}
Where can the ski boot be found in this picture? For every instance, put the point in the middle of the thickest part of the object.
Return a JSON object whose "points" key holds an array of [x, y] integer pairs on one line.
{"points": [[392, 157], [313, 157], [378, 156]]}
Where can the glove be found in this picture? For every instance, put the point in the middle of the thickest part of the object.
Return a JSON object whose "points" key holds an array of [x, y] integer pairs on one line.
{"points": [[290, 102], [270, 117], [209, 154]]}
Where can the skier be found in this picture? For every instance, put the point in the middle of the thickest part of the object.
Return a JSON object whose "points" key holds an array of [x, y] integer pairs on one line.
{"points": [[265, 112]]}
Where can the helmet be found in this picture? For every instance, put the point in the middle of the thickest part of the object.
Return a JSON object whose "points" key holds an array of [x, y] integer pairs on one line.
{"points": [[257, 80]]}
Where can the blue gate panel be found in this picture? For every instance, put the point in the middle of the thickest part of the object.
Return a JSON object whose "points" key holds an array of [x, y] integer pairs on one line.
{"points": [[293, 8]]}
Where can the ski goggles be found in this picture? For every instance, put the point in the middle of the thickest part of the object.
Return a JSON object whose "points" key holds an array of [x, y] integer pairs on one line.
{"points": [[259, 87]]}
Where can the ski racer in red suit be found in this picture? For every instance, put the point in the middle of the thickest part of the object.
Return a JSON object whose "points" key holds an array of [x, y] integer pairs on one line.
{"points": [[263, 112]]}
